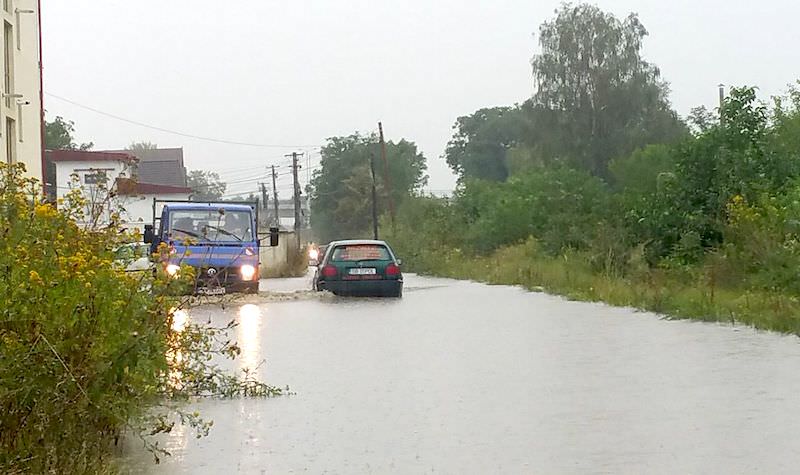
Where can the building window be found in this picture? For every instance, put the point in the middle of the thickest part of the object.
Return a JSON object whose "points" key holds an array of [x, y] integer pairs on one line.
{"points": [[11, 141], [7, 5], [8, 62], [95, 178]]}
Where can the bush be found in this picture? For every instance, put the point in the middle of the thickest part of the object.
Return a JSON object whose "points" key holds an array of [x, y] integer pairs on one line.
{"points": [[87, 349], [82, 348]]}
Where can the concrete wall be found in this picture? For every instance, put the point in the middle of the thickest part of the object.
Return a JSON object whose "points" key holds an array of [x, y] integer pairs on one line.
{"points": [[22, 38], [275, 260]]}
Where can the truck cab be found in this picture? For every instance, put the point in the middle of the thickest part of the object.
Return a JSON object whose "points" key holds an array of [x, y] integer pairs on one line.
{"points": [[220, 240]]}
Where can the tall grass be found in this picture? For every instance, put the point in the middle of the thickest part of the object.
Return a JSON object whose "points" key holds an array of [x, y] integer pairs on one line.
{"points": [[673, 293]]}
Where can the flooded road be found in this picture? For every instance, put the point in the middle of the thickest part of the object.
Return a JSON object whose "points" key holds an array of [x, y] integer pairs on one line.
{"points": [[459, 377]]}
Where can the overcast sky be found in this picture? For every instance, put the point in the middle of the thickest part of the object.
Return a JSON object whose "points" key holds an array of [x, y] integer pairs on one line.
{"points": [[293, 73]]}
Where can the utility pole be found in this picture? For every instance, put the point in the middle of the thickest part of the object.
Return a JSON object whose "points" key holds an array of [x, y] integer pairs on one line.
{"points": [[275, 197], [721, 100], [264, 200], [386, 182], [297, 218], [374, 198]]}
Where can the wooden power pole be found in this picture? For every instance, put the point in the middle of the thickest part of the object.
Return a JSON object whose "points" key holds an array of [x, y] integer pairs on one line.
{"points": [[275, 197], [374, 198], [264, 196], [386, 182], [297, 218]]}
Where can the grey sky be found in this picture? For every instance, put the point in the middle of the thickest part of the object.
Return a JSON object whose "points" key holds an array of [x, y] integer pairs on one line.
{"points": [[296, 72]]}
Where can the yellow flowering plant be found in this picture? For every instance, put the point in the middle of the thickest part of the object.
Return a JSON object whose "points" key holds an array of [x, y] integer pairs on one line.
{"points": [[87, 349]]}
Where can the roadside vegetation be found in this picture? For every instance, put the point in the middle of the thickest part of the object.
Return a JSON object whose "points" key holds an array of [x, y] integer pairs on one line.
{"points": [[90, 353], [594, 188]]}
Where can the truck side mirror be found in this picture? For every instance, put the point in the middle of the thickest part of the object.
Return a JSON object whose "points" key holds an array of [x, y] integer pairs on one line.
{"points": [[149, 235], [273, 237]]}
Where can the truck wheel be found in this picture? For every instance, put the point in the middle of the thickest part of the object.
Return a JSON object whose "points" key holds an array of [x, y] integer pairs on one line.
{"points": [[251, 288]]}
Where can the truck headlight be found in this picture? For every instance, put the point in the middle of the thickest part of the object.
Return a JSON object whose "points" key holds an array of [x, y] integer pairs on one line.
{"points": [[172, 270], [248, 272]]}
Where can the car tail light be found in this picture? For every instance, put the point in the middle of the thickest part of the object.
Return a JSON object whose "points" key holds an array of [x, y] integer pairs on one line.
{"points": [[329, 271], [392, 269]]}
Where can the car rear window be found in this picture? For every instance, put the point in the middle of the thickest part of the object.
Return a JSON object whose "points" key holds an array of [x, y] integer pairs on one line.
{"points": [[360, 252]]}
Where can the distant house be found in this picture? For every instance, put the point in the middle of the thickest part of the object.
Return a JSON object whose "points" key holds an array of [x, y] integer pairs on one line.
{"points": [[160, 166], [98, 173]]}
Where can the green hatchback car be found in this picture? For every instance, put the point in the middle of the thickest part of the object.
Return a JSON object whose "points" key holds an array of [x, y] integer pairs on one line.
{"points": [[360, 267]]}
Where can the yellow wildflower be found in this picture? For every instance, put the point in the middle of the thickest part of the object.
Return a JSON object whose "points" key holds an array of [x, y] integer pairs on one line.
{"points": [[34, 277]]}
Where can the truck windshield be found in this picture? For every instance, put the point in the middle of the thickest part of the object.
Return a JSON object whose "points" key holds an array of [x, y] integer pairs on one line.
{"points": [[211, 225]]}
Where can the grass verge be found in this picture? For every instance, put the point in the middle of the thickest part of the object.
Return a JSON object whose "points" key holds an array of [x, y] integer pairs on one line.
{"points": [[678, 294]]}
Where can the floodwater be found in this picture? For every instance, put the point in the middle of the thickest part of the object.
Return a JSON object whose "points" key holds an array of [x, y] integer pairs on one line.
{"points": [[460, 377]]}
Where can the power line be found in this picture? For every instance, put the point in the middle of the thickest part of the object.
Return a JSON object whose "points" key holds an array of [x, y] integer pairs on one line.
{"points": [[246, 180], [174, 132]]}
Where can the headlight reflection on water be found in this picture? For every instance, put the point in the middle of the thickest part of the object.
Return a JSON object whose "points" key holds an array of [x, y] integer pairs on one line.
{"points": [[179, 319], [248, 336]]}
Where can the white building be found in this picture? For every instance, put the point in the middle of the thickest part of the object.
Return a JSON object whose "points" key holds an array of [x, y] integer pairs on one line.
{"points": [[21, 100], [137, 201], [96, 174]]}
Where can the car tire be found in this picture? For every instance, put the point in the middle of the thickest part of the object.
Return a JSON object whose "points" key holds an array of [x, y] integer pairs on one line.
{"points": [[396, 293]]}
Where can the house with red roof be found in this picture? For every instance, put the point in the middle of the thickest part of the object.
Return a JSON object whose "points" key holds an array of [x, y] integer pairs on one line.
{"points": [[109, 182]]}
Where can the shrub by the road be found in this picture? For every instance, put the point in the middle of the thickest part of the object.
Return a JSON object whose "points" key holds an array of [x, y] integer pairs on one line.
{"points": [[87, 351]]}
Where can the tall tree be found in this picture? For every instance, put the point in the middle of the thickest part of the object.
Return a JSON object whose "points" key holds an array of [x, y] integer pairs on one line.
{"points": [[481, 142], [608, 99], [206, 185], [141, 147], [340, 190], [59, 135]]}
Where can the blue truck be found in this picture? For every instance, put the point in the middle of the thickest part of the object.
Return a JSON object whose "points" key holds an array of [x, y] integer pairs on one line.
{"points": [[219, 240]]}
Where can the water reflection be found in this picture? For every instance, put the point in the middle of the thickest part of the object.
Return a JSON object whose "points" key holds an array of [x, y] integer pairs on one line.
{"points": [[179, 319], [174, 355], [248, 336]]}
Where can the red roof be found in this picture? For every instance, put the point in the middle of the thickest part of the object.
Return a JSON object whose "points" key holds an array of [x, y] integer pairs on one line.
{"points": [[89, 156], [126, 186]]}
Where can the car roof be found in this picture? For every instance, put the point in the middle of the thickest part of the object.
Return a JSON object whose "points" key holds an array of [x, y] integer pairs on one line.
{"points": [[205, 206], [346, 242]]}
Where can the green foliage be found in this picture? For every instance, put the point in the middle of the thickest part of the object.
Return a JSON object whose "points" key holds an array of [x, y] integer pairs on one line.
{"points": [[87, 350], [608, 100], [138, 147], [561, 207], [743, 155], [340, 191], [58, 135], [206, 185], [482, 141], [707, 228], [642, 171], [596, 99]]}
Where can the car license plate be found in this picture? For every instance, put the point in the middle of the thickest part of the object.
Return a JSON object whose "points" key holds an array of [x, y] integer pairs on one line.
{"points": [[211, 290], [363, 271]]}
